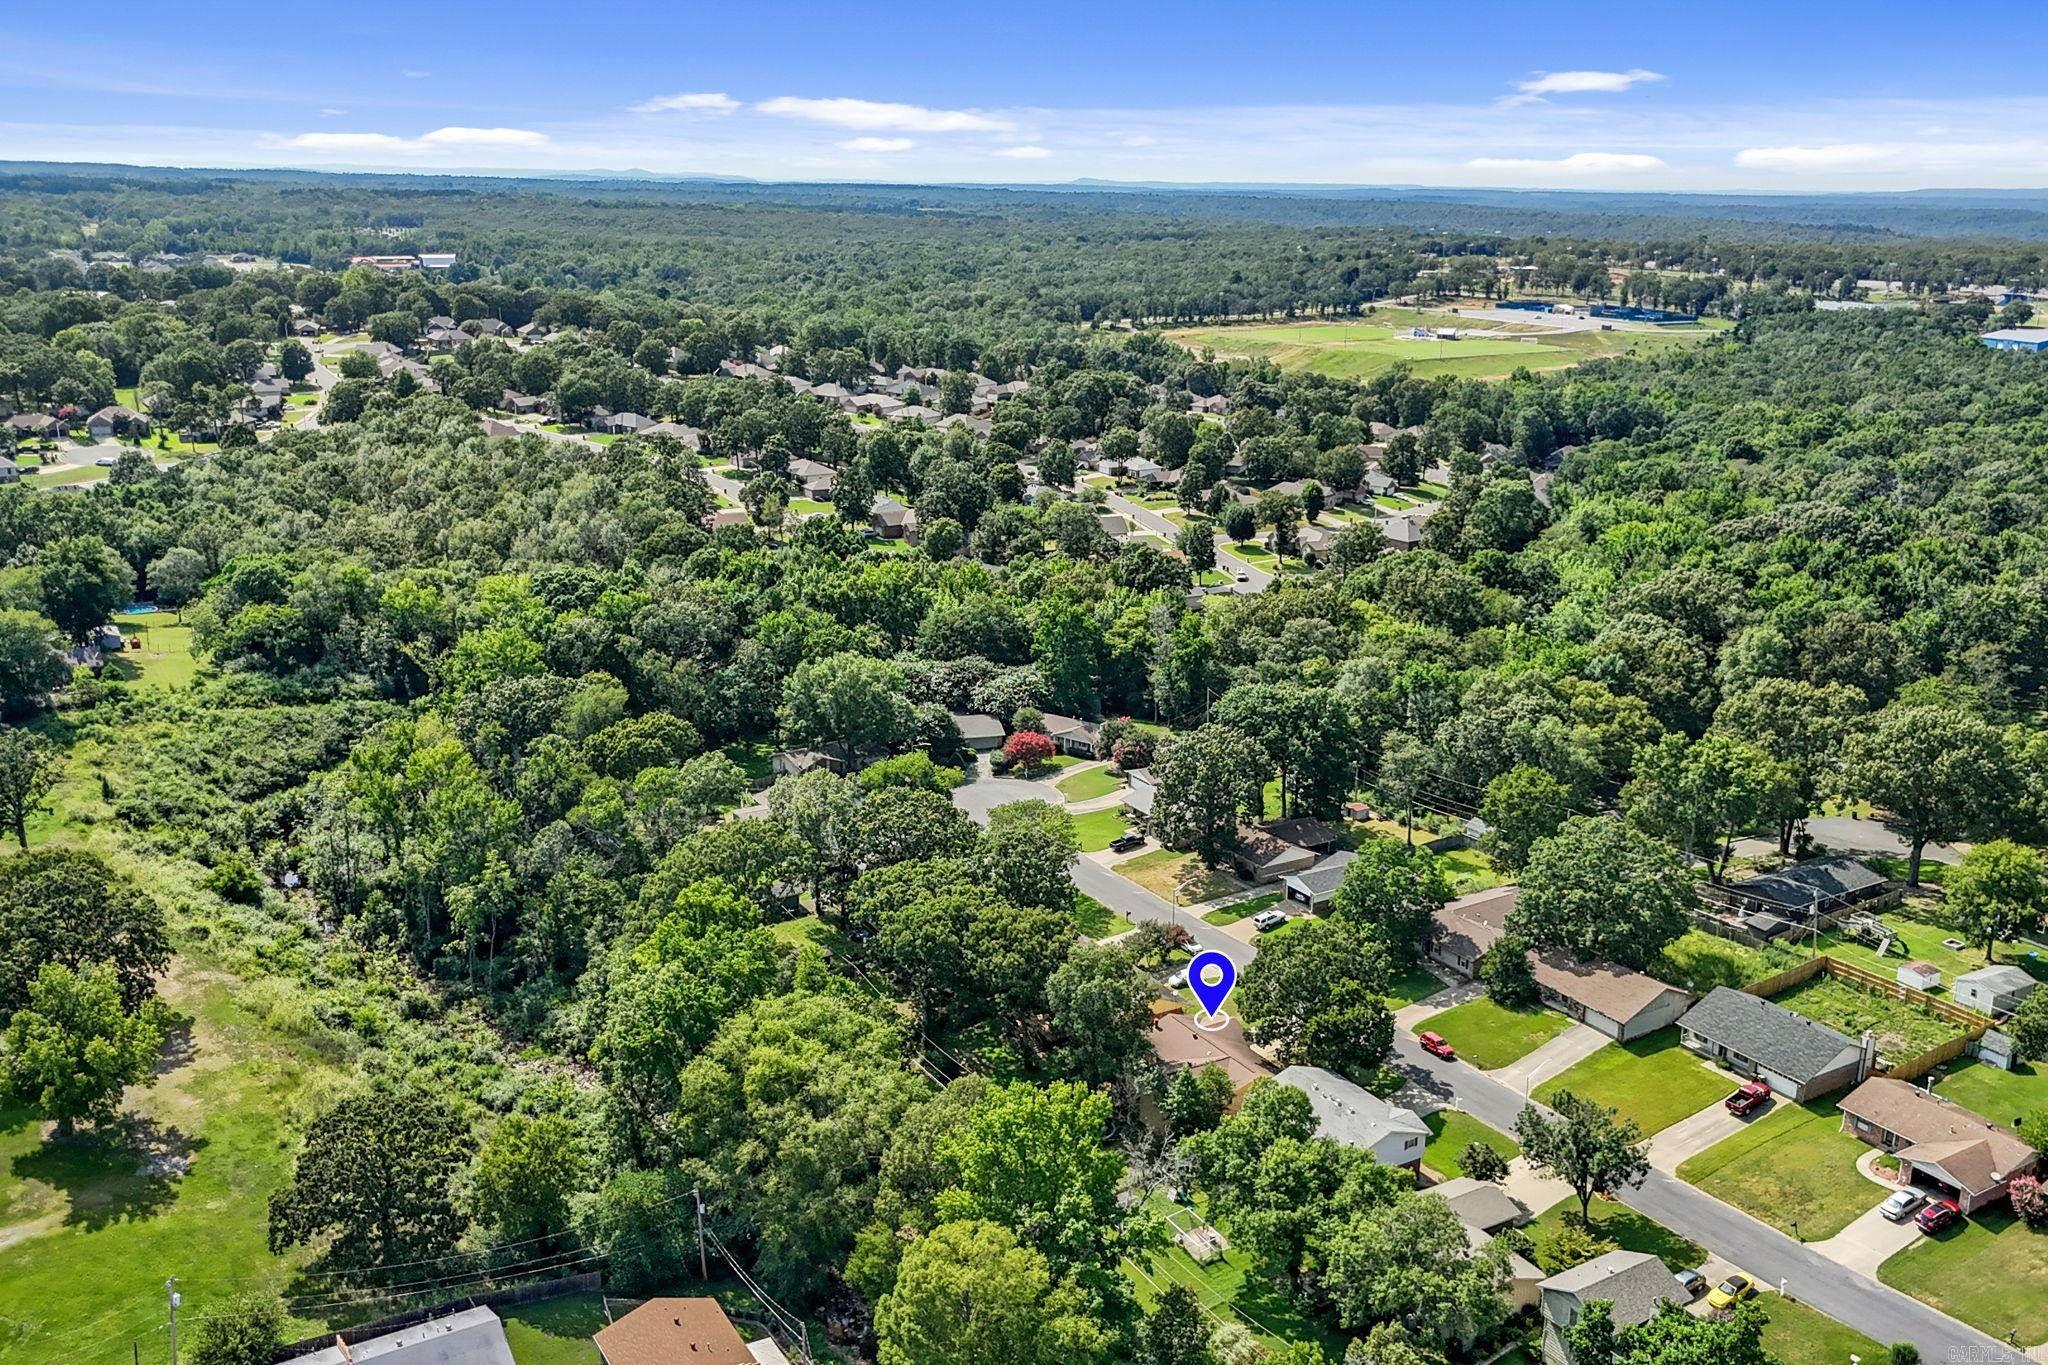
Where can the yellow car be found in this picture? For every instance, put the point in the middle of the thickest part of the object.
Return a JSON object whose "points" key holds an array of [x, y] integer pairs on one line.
{"points": [[1731, 1291]]}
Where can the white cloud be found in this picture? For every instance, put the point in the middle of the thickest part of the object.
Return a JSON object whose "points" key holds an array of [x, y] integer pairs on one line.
{"points": [[1140, 140], [1586, 82], [878, 144], [1578, 163], [415, 75], [426, 142], [484, 137], [332, 113], [697, 102], [1025, 153], [1834, 156], [348, 142], [875, 116]]}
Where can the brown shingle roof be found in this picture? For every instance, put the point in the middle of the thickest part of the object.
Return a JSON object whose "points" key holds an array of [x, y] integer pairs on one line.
{"points": [[1970, 1148], [668, 1331], [1180, 1042], [1478, 920]]}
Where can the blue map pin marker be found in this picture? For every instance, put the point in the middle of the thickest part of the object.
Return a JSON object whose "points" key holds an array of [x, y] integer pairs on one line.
{"points": [[1212, 976]]}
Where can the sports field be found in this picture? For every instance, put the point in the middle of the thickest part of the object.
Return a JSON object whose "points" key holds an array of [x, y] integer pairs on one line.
{"points": [[1358, 350]]}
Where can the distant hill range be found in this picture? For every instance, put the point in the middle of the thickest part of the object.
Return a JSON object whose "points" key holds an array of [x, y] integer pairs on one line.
{"points": [[2021, 214]]}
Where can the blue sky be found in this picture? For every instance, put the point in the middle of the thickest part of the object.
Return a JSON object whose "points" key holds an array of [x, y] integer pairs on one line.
{"points": [[1791, 96]]}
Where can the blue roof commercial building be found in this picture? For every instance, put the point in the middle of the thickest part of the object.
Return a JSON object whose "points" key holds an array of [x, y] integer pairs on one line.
{"points": [[2017, 339]]}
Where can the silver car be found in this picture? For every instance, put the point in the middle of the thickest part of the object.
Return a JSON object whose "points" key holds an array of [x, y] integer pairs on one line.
{"points": [[1902, 1205], [1268, 920]]}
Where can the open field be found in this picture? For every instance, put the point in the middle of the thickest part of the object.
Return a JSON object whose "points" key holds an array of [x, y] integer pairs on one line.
{"points": [[1652, 1080], [1990, 1270], [1359, 350], [1902, 1030], [1451, 1131], [1490, 1037], [1793, 1166], [165, 659]]}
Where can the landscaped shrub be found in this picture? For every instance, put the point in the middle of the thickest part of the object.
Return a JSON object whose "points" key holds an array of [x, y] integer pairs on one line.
{"points": [[1504, 968], [1027, 748], [1568, 1244], [235, 879], [2029, 1201]]}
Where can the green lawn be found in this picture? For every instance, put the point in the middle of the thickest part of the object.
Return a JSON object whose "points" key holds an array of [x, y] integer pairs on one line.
{"points": [[49, 476], [1470, 870], [1226, 1284], [1491, 1037], [1628, 1230], [1652, 1080], [1097, 829], [1237, 910], [1923, 943], [165, 659], [804, 507], [809, 929], [1416, 983], [1793, 1165], [1163, 869], [555, 1331], [1902, 1030], [2000, 1096], [90, 1232], [1093, 919], [1990, 1270], [1358, 350], [1086, 786], [1451, 1131], [1797, 1334]]}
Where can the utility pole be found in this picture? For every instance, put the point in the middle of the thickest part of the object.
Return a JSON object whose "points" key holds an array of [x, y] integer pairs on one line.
{"points": [[703, 1266], [172, 1297]]}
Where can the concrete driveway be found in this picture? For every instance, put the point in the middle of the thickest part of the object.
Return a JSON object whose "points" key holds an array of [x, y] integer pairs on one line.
{"points": [[1554, 1058], [1868, 1242], [1690, 1136]]}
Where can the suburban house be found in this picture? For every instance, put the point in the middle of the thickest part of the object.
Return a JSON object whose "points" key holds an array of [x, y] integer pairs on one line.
{"points": [[1072, 736], [1138, 469], [1969, 1158], [812, 479], [474, 1336], [1820, 890], [1183, 1045], [1796, 1057], [688, 436], [521, 404], [1212, 403], [10, 472], [891, 519], [664, 1331], [1621, 1003], [1996, 989], [1262, 856], [115, 420], [621, 423], [1315, 887], [729, 516], [1311, 833], [1402, 533], [31, 424], [978, 732], [1140, 791], [1356, 1117], [1635, 1282], [1481, 1204], [493, 427]]}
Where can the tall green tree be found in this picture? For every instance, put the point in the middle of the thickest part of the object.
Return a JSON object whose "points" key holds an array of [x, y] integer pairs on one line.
{"points": [[375, 1179], [1392, 892], [1317, 995], [1996, 893], [1207, 779], [29, 768], [1586, 1145], [968, 1291], [32, 665], [1700, 796], [68, 906], [1520, 806], [1942, 773], [82, 583], [1603, 891], [69, 1052]]}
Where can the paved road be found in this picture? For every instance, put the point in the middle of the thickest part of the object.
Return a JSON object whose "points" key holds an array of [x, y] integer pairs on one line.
{"points": [[1145, 519], [1853, 834], [1125, 897], [1883, 1314]]}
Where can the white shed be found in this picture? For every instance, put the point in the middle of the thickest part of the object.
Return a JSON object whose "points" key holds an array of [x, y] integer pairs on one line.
{"points": [[1994, 990], [1921, 976]]}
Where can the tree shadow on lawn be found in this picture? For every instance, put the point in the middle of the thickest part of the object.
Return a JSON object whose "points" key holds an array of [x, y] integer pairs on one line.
{"points": [[124, 1171]]}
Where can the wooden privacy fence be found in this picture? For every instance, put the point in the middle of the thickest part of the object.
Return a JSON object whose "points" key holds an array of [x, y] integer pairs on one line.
{"points": [[1972, 1022]]}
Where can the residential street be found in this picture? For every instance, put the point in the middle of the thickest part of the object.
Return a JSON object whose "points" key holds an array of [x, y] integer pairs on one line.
{"points": [[1882, 1313], [1145, 519]]}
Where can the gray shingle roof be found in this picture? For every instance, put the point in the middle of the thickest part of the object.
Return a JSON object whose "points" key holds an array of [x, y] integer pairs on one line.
{"points": [[1635, 1282], [1809, 885], [1326, 876], [2002, 978], [1769, 1035]]}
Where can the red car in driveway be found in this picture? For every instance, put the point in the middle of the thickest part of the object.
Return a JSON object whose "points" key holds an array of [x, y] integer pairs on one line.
{"points": [[1938, 1214], [1747, 1100], [1435, 1046]]}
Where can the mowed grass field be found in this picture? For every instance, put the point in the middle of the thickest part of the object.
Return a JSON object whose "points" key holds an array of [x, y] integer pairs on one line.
{"points": [[1359, 350]]}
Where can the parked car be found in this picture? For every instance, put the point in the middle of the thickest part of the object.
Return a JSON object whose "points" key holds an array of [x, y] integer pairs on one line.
{"points": [[1268, 920], [1692, 1282], [1124, 843], [1243, 577], [1752, 1096], [1938, 1214], [1902, 1205], [106, 461], [1178, 980], [1434, 1044], [1732, 1291]]}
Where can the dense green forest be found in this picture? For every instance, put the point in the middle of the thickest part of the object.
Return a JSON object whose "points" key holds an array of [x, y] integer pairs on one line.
{"points": [[449, 787]]}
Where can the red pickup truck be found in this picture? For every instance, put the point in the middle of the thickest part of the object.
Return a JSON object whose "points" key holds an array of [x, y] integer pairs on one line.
{"points": [[1750, 1097]]}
